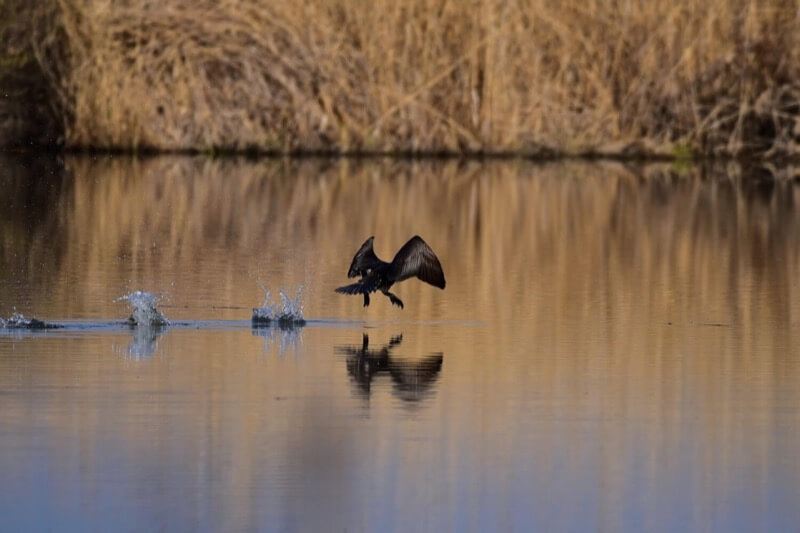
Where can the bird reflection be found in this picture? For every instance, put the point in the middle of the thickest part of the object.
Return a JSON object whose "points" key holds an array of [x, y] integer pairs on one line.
{"points": [[412, 380]]}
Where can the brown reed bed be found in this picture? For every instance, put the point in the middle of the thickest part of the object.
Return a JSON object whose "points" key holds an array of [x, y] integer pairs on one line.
{"points": [[617, 77]]}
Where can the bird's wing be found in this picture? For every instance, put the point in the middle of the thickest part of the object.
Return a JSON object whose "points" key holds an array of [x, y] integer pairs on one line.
{"points": [[364, 260], [416, 258], [365, 286]]}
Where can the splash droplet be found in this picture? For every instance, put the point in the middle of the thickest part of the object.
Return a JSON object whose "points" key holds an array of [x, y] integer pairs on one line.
{"points": [[144, 312], [289, 312]]}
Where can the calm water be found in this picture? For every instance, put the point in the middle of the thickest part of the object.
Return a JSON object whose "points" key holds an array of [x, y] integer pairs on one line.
{"points": [[617, 348]]}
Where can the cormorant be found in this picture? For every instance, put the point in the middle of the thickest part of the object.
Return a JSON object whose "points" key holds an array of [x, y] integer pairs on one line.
{"points": [[415, 258]]}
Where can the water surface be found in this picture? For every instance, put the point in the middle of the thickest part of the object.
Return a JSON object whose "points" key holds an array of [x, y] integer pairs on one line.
{"points": [[617, 348]]}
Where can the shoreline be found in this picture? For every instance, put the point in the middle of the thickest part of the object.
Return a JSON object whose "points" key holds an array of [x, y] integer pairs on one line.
{"points": [[543, 156]]}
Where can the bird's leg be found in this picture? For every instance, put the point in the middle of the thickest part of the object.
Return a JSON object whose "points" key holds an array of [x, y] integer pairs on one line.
{"points": [[395, 300], [366, 299]]}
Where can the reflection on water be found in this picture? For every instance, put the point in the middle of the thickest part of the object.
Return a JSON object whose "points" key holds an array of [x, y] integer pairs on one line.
{"points": [[145, 340], [636, 366], [282, 335], [413, 380]]}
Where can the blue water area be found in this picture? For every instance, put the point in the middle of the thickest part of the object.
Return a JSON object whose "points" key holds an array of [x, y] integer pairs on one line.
{"points": [[617, 347]]}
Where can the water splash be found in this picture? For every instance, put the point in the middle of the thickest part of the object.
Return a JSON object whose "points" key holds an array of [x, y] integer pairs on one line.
{"points": [[292, 309], [18, 321], [265, 313], [144, 311], [286, 313]]}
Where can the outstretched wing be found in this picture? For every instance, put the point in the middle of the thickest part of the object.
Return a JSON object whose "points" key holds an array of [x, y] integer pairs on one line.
{"points": [[416, 258], [364, 260], [365, 286]]}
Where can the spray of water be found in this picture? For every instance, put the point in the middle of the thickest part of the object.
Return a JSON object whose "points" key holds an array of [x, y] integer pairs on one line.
{"points": [[18, 321], [287, 312], [143, 309]]}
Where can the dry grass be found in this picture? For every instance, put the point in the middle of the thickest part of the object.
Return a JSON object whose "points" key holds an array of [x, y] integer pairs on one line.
{"points": [[29, 112], [575, 76]]}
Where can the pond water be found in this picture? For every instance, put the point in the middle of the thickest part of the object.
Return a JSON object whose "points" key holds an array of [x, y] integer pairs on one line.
{"points": [[617, 348]]}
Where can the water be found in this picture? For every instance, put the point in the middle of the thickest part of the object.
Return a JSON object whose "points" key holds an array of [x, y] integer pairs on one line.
{"points": [[144, 309], [617, 348], [289, 313], [18, 321]]}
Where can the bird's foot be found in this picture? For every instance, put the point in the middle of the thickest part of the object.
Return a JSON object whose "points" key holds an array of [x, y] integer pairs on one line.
{"points": [[366, 300], [395, 300]]}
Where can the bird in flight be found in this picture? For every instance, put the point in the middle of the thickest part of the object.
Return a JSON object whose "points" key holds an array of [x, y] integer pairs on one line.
{"points": [[415, 258]]}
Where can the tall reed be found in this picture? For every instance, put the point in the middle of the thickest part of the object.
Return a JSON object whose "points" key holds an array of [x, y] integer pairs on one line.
{"points": [[574, 76]]}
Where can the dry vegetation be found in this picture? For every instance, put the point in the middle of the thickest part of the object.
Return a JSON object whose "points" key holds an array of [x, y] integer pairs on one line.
{"points": [[29, 112], [575, 76]]}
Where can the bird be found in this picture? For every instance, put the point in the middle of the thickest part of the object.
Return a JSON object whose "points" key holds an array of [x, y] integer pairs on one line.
{"points": [[415, 258]]}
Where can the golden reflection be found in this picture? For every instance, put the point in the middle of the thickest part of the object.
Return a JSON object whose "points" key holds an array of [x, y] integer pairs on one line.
{"points": [[655, 309]]}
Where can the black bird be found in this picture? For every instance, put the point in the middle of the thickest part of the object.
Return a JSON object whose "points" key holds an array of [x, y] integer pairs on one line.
{"points": [[415, 258]]}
